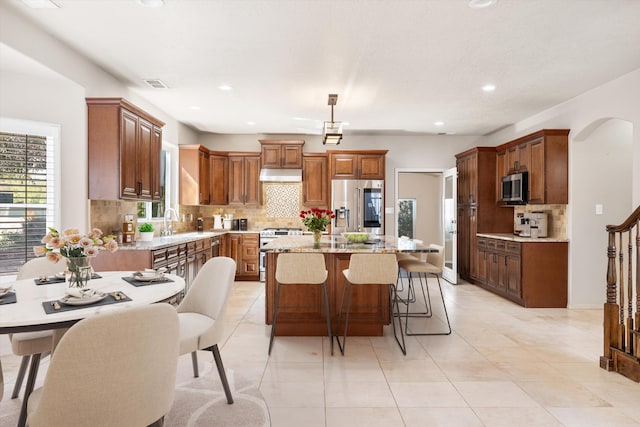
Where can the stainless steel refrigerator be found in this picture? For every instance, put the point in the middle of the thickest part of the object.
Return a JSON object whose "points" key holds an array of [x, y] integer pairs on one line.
{"points": [[358, 205]]}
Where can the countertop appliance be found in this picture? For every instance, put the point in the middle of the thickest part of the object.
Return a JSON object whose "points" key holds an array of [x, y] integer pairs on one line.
{"points": [[514, 189], [358, 205], [269, 235], [531, 224]]}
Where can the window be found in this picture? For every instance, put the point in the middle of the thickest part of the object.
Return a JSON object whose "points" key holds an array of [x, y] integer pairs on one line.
{"points": [[407, 218], [155, 210], [27, 187]]}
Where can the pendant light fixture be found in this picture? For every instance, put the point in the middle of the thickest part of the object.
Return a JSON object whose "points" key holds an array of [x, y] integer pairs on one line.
{"points": [[332, 131]]}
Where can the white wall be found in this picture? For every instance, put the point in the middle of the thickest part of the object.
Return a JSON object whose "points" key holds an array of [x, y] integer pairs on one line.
{"points": [[426, 188], [619, 99], [52, 88]]}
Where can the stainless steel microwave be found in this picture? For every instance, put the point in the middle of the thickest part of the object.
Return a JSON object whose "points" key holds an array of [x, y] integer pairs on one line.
{"points": [[514, 188]]}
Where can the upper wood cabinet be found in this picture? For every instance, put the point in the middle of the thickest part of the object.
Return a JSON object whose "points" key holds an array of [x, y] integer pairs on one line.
{"points": [[194, 175], [544, 155], [124, 144], [346, 164], [244, 178], [219, 178], [281, 154], [315, 179]]}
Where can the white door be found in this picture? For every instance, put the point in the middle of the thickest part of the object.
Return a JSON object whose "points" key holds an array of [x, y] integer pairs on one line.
{"points": [[450, 271]]}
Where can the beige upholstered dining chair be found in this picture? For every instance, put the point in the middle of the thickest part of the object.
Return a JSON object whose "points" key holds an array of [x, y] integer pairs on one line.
{"points": [[33, 345], [201, 312], [301, 269], [114, 369], [370, 269], [433, 265]]}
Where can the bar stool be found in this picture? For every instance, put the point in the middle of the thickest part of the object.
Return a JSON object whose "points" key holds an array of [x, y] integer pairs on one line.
{"points": [[301, 269], [433, 265], [371, 269]]}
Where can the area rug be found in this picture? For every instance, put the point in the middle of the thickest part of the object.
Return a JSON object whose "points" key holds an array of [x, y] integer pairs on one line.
{"points": [[201, 401], [198, 401]]}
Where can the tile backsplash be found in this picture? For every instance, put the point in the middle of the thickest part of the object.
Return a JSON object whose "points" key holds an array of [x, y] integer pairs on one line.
{"points": [[281, 205], [556, 217]]}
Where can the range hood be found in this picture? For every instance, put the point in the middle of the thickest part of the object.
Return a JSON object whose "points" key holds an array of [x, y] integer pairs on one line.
{"points": [[281, 175]]}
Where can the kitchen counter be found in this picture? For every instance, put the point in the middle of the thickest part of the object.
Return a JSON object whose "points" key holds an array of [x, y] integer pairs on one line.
{"points": [[513, 238], [335, 243], [301, 312], [166, 241]]}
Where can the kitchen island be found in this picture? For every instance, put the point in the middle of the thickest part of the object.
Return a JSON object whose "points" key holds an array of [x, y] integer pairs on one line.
{"points": [[302, 311]]}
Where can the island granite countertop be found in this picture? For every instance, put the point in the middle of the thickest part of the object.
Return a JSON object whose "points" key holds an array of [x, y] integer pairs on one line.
{"points": [[335, 243]]}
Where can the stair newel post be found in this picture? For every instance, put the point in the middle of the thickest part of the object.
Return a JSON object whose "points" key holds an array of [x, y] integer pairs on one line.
{"points": [[610, 307]]}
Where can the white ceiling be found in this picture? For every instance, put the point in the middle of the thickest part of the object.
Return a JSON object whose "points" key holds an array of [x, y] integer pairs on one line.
{"points": [[397, 65]]}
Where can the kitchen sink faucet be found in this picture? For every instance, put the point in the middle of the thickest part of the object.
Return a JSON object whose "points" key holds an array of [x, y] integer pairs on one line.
{"points": [[168, 231]]}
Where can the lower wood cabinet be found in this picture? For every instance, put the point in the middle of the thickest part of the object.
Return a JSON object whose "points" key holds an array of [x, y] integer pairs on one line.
{"points": [[244, 249], [532, 274]]}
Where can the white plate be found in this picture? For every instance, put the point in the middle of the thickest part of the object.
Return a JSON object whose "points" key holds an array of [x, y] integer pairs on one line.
{"points": [[5, 291], [60, 275], [69, 300]]}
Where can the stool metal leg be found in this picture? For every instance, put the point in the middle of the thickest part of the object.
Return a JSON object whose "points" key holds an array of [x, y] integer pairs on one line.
{"points": [[393, 299], [342, 345], [445, 313], [326, 307]]}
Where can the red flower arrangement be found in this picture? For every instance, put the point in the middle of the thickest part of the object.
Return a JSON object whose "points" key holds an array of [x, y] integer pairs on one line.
{"points": [[316, 219]]}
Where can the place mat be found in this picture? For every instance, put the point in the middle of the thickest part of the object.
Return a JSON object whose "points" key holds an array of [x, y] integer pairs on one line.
{"points": [[9, 298], [53, 279], [110, 299], [136, 282]]}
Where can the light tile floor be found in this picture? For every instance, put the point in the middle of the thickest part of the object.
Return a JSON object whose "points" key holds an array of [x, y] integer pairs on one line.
{"points": [[503, 365]]}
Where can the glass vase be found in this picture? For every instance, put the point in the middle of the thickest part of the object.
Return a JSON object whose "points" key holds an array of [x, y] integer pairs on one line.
{"points": [[317, 235], [78, 272]]}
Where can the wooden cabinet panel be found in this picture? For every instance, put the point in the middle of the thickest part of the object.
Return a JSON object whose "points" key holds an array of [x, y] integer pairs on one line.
{"points": [[315, 180], [129, 135], [219, 179], [204, 179], [514, 271], [343, 166], [371, 166], [357, 165], [244, 179], [281, 154], [477, 210], [536, 176], [194, 175], [271, 156], [124, 145], [544, 155]]}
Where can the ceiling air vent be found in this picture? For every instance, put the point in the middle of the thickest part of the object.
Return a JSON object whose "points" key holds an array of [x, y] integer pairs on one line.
{"points": [[156, 83]]}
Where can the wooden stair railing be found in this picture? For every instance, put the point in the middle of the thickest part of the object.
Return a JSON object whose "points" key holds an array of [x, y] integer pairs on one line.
{"points": [[622, 324]]}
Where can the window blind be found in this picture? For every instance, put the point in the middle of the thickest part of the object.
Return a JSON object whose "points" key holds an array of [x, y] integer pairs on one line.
{"points": [[26, 197]]}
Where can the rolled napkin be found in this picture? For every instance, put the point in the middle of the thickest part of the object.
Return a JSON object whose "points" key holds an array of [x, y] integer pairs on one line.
{"points": [[80, 293]]}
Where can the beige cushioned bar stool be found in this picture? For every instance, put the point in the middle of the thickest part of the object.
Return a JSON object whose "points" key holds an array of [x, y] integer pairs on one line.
{"points": [[415, 268], [301, 269], [371, 269]]}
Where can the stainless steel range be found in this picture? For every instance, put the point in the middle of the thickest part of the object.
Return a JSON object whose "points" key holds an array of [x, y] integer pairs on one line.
{"points": [[269, 235]]}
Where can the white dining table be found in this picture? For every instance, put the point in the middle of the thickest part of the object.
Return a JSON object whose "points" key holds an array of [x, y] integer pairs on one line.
{"points": [[28, 313]]}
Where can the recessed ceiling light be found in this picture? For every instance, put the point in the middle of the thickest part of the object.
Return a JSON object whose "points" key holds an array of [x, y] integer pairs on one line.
{"points": [[151, 3], [479, 4], [438, 123], [194, 107], [251, 123], [40, 4], [225, 87], [488, 88]]}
